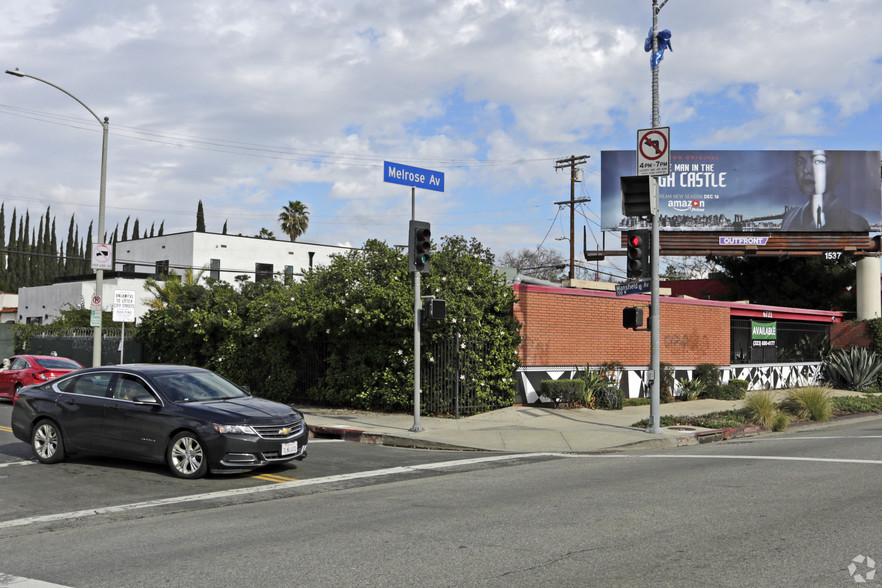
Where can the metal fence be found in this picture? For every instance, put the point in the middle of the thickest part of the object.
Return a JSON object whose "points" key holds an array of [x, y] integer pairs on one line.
{"points": [[76, 344], [796, 341], [447, 380]]}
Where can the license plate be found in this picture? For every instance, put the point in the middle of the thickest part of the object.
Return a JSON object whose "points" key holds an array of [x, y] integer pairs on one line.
{"points": [[289, 448]]}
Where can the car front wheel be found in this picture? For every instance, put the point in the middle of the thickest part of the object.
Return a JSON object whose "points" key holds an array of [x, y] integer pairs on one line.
{"points": [[47, 442], [186, 456]]}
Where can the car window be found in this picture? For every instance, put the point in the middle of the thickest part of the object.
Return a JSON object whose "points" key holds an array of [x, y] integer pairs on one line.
{"points": [[19, 363], [87, 384], [57, 364], [193, 386], [129, 388]]}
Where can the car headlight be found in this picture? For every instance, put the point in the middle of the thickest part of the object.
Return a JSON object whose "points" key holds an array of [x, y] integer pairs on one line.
{"points": [[234, 429]]}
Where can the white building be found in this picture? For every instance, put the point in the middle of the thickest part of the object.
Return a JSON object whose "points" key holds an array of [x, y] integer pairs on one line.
{"points": [[224, 257]]}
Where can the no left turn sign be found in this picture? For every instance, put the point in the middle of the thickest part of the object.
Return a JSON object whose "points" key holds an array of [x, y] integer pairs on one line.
{"points": [[653, 151]]}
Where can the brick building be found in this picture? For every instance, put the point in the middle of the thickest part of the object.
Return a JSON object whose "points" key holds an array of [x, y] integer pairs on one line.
{"points": [[565, 328]]}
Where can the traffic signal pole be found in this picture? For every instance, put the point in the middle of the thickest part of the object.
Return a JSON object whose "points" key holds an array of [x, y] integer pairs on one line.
{"points": [[654, 315], [417, 303]]}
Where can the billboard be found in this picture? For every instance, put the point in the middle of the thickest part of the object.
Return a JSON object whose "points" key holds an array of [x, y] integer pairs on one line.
{"points": [[791, 191]]}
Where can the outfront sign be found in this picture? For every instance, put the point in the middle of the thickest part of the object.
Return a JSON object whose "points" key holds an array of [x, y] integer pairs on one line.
{"points": [[417, 177]]}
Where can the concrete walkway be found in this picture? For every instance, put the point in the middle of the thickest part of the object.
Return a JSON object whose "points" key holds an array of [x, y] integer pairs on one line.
{"points": [[527, 428], [516, 428]]}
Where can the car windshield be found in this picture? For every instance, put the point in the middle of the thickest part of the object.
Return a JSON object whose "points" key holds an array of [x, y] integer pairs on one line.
{"points": [[194, 386], [57, 364]]}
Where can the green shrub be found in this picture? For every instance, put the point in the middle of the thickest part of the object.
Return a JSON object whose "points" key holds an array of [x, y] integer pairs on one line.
{"points": [[810, 403], [761, 408], [853, 369], [857, 404], [733, 390], [707, 373], [691, 389], [637, 401], [609, 397], [564, 391], [781, 422]]}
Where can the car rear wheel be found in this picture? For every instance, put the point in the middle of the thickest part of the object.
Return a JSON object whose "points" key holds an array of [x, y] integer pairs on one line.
{"points": [[47, 442], [186, 456]]}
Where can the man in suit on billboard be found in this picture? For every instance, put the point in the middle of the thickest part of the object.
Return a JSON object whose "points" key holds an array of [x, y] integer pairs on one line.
{"points": [[816, 176]]}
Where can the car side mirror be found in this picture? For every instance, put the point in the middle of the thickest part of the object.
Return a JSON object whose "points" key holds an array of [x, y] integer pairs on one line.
{"points": [[144, 398], [246, 388]]}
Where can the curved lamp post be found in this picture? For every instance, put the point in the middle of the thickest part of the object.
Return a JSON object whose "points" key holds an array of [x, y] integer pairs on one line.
{"points": [[99, 273]]}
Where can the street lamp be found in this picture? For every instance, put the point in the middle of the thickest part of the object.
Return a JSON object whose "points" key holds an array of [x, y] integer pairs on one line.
{"points": [[99, 273]]}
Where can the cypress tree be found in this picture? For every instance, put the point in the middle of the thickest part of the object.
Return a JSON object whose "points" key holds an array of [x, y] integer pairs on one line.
{"points": [[86, 257], [200, 218], [135, 231], [125, 233], [70, 251], [2, 241], [13, 265], [225, 228], [161, 228], [151, 228]]}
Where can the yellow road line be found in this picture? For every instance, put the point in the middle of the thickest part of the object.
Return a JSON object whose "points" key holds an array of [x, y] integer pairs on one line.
{"points": [[7, 429], [274, 478]]}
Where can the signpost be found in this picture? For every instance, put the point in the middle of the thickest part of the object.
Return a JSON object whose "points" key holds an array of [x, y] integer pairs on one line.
{"points": [[653, 152], [123, 312], [415, 177], [633, 287], [102, 258]]}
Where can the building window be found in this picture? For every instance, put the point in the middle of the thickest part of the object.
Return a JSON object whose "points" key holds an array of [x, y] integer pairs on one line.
{"points": [[162, 269], [214, 269], [128, 267], [263, 271], [35, 320], [311, 255], [289, 272]]}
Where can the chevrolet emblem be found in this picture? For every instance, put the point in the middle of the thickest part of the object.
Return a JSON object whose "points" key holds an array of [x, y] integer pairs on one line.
{"points": [[285, 431]]}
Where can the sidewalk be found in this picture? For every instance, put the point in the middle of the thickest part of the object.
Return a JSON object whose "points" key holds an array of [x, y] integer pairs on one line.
{"points": [[521, 428], [527, 428]]}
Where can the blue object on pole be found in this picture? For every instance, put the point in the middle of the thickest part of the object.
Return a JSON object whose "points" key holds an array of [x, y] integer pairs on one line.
{"points": [[664, 42]]}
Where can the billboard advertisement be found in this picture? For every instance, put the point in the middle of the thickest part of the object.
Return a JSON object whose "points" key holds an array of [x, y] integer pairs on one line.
{"points": [[791, 191]]}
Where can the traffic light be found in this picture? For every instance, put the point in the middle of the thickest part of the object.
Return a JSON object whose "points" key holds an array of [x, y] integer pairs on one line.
{"points": [[419, 246], [638, 253], [434, 309], [639, 195], [632, 317]]}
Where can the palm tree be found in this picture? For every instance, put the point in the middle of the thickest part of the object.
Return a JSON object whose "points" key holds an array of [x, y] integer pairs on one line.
{"points": [[294, 219]]}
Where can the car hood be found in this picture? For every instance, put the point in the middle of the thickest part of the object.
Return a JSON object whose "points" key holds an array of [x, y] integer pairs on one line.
{"points": [[250, 409]]}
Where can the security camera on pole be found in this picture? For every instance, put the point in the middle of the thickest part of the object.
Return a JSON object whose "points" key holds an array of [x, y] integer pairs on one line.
{"points": [[419, 253]]}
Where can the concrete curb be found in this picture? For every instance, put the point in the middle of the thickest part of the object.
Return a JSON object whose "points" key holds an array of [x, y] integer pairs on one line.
{"points": [[359, 436]]}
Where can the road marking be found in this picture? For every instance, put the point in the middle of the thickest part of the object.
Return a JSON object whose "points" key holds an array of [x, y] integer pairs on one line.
{"points": [[7, 429], [14, 463], [257, 489], [274, 478], [775, 458], [8, 581]]}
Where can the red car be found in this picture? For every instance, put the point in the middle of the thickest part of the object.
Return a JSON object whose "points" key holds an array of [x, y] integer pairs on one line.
{"points": [[25, 370]]}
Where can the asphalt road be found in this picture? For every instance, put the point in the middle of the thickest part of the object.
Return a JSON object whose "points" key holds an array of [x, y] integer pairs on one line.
{"points": [[775, 510]]}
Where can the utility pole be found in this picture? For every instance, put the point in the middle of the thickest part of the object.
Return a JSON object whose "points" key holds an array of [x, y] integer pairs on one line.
{"points": [[571, 162]]}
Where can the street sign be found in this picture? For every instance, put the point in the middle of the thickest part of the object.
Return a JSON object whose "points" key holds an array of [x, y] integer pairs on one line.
{"points": [[124, 306], [95, 303], [101, 257], [633, 287], [654, 151], [417, 177]]}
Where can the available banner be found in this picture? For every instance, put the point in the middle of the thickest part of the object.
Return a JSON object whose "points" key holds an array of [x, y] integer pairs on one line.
{"points": [[763, 334], [793, 191]]}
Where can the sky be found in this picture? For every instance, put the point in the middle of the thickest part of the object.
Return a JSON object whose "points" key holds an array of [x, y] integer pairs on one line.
{"points": [[247, 105]]}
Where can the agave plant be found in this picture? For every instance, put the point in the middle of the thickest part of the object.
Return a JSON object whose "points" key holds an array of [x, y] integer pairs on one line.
{"points": [[855, 368]]}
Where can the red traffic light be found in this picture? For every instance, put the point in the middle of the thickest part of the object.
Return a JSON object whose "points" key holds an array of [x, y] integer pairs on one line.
{"points": [[635, 241]]}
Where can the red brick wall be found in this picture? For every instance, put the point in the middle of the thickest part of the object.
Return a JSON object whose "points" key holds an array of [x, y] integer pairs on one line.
{"points": [[845, 335], [566, 326]]}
